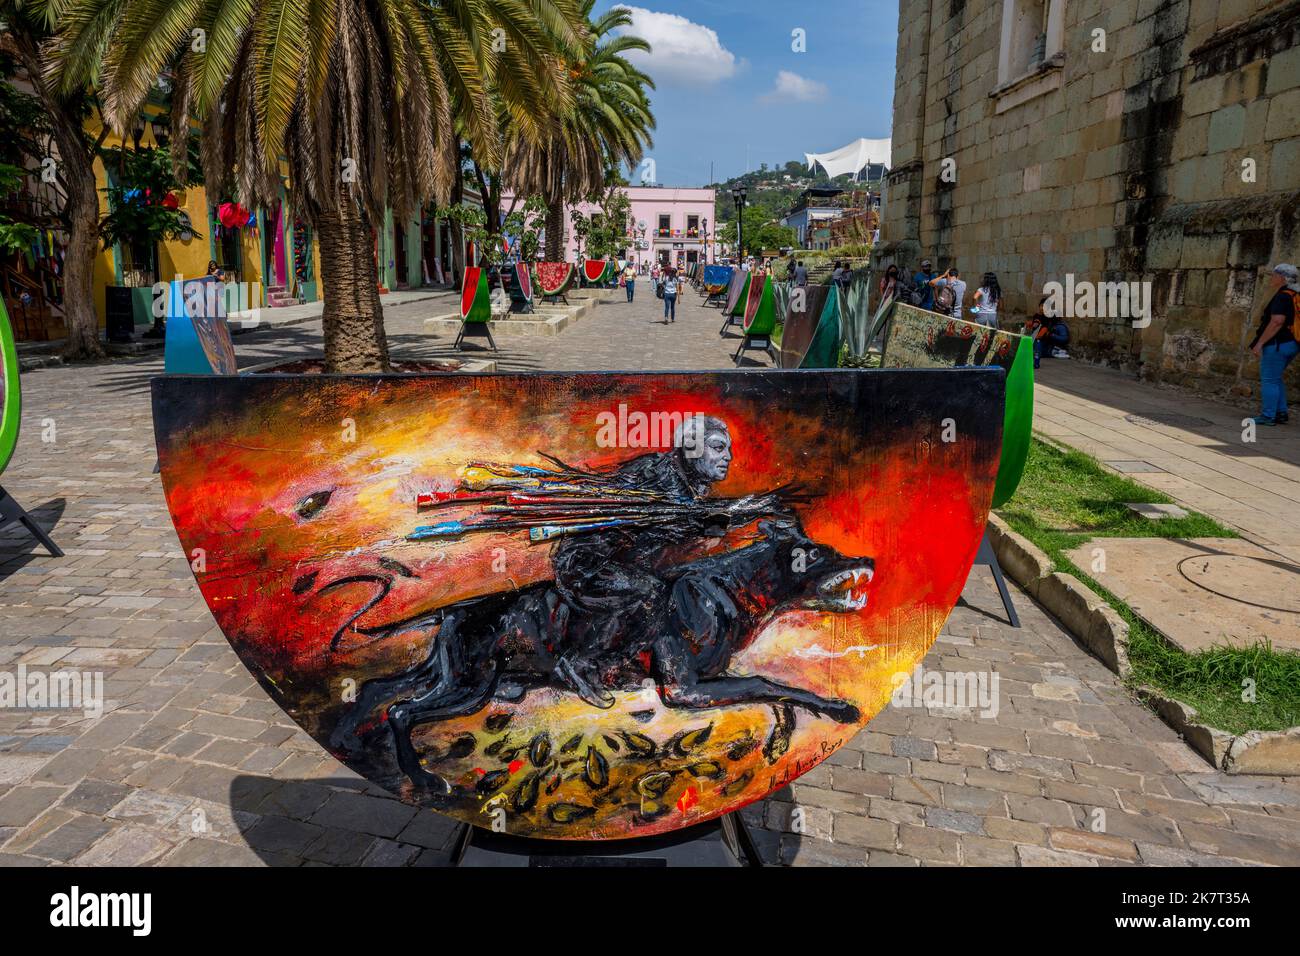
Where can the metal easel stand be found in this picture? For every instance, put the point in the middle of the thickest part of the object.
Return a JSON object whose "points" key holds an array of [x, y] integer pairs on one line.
{"points": [[724, 842], [754, 343], [985, 555], [11, 512], [727, 323], [475, 330]]}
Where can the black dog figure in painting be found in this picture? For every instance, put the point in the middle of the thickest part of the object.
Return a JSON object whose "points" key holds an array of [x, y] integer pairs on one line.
{"points": [[610, 576], [619, 611]]}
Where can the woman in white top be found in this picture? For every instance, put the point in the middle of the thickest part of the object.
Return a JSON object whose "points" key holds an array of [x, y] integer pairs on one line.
{"points": [[670, 296], [987, 297]]}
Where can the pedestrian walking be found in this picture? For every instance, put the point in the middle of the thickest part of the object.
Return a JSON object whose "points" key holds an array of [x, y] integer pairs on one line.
{"points": [[1275, 343], [670, 297], [800, 274], [629, 280], [950, 292], [987, 297]]}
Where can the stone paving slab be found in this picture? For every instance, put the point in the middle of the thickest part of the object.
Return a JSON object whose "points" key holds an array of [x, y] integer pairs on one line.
{"points": [[1202, 592], [191, 764]]}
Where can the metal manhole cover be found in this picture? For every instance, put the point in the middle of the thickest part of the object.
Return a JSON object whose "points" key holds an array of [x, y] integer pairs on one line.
{"points": [[1259, 582], [1167, 418]]}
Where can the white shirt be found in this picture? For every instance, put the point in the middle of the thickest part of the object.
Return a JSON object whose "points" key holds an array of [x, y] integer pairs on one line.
{"points": [[988, 314]]}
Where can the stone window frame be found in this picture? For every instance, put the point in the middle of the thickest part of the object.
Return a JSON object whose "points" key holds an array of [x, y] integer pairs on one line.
{"points": [[1040, 77]]}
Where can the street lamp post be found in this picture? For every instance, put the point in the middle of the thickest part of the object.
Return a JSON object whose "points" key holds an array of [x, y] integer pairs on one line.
{"points": [[738, 194], [577, 240]]}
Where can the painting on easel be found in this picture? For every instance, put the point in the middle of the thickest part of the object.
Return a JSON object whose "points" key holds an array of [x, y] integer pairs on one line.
{"points": [[581, 606]]}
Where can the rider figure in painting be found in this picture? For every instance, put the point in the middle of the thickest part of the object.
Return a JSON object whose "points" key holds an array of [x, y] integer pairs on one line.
{"points": [[612, 574], [631, 596]]}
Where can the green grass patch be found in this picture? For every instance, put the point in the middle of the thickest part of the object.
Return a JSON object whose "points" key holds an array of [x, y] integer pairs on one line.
{"points": [[1065, 499]]}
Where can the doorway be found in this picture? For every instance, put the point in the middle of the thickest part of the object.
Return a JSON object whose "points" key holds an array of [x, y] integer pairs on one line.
{"points": [[400, 262]]}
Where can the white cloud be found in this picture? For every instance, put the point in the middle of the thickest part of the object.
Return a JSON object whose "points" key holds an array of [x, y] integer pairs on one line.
{"points": [[793, 88], [682, 51]]}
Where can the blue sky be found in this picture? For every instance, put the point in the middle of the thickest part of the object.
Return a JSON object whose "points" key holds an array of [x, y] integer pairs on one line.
{"points": [[741, 90]]}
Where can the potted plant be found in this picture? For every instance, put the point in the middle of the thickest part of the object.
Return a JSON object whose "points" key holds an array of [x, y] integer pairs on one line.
{"points": [[144, 210]]}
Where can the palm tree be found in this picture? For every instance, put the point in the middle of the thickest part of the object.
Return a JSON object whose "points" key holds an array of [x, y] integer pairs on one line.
{"points": [[359, 99], [609, 125], [26, 30]]}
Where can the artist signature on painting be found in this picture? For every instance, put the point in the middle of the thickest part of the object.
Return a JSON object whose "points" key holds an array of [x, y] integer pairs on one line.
{"points": [[802, 765]]}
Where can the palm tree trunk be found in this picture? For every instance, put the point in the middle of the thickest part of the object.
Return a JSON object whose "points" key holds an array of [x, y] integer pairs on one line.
{"points": [[353, 317], [555, 231], [81, 209], [457, 231], [82, 216]]}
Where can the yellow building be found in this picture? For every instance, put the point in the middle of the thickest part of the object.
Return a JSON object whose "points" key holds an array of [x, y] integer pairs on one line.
{"points": [[274, 261]]}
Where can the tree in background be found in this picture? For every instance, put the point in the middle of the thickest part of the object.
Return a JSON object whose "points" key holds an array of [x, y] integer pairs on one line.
{"points": [[607, 226], [15, 236], [69, 166], [761, 232], [365, 102], [143, 208], [24, 131], [609, 125]]}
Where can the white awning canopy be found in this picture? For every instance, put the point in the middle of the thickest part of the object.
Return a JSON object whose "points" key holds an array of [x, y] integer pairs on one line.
{"points": [[852, 158]]}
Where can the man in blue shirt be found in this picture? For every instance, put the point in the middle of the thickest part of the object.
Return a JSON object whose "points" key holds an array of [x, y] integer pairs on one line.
{"points": [[922, 281]]}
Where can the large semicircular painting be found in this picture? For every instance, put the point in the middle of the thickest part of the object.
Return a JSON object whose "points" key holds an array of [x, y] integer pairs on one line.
{"points": [[581, 606]]}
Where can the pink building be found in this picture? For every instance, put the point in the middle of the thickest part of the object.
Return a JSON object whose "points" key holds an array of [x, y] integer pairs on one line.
{"points": [[669, 223]]}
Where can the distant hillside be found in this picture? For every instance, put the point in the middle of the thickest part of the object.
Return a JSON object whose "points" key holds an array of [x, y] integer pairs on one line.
{"points": [[773, 191]]}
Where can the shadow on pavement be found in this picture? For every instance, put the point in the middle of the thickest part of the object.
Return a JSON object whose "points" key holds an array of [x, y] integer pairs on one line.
{"points": [[18, 548], [336, 821], [348, 822]]}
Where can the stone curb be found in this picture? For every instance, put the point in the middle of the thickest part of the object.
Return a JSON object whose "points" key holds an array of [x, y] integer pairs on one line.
{"points": [[1100, 629], [548, 319], [543, 325], [468, 366]]}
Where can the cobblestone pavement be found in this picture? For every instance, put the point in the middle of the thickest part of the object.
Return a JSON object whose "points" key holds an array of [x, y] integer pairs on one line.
{"points": [[192, 764]]}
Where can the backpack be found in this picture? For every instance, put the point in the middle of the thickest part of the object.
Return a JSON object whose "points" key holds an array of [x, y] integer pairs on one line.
{"points": [[908, 293], [944, 299], [1295, 311]]}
